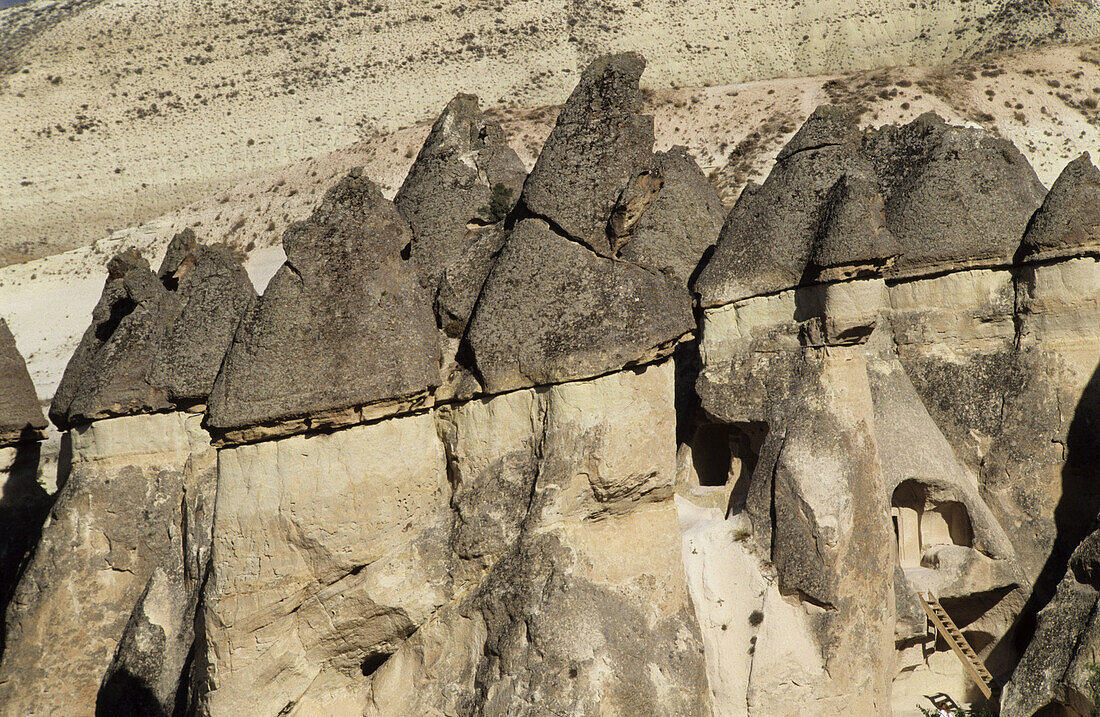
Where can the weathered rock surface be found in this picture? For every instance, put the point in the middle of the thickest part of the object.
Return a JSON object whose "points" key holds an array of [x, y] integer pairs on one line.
{"points": [[1055, 674], [138, 488], [343, 325], [21, 418], [108, 374], [552, 310], [1068, 222], [684, 220], [464, 177], [600, 142], [156, 341], [213, 293], [956, 197]]}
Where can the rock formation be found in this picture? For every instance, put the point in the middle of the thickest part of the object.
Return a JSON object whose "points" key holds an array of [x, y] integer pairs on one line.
{"points": [[130, 526], [23, 503], [573, 444]]}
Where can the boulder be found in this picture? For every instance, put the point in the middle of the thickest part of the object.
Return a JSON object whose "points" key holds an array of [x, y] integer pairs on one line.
{"points": [[767, 239], [681, 224], [21, 417], [108, 375], [465, 176], [551, 310], [343, 325], [600, 142], [1068, 222], [213, 292], [956, 197]]}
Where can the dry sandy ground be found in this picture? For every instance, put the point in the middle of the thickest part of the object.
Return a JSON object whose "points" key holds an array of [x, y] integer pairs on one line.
{"points": [[1045, 101], [113, 112]]}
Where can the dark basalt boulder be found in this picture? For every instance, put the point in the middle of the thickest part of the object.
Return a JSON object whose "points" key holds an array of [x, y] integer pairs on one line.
{"points": [[1068, 222], [600, 142], [462, 281], [552, 311], [213, 292], [956, 197], [852, 239], [1055, 672], [108, 374], [343, 324], [767, 239], [464, 177], [682, 222], [21, 418]]}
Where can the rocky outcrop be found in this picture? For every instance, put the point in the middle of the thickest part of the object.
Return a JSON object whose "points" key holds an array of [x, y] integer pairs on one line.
{"points": [[23, 503], [600, 142], [131, 524], [465, 178], [1068, 222], [343, 331], [471, 460], [136, 502], [1057, 673], [21, 418], [156, 341], [551, 310]]}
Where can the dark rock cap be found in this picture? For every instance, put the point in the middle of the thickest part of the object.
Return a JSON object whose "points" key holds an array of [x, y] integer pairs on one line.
{"points": [[767, 239], [461, 283], [852, 239], [827, 126], [956, 197], [343, 324], [552, 310], [108, 373], [156, 341], [1068, 222], [465, 174], [21, 417], [213, 293], [600, 142], [682, 222]]}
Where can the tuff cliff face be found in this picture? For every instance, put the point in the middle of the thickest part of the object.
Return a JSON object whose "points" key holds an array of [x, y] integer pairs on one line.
{"points": [[578, 443]]}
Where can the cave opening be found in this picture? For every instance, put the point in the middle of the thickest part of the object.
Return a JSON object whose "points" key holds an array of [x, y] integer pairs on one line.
{"points": [[725, 455], [921, 522]]}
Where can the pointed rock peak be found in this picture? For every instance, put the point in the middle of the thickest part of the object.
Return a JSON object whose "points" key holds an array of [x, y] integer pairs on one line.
{"points": [[182, 246], [108, 374], [465, 177], [1068, 222], [21, 417], [852, 239], [213, 292], [343, 332], [828, 125], [599, 145], [608, 86]]}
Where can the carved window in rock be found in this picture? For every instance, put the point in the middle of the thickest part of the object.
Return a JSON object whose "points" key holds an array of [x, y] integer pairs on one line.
{"points": [[725, 455], [922, 522]]}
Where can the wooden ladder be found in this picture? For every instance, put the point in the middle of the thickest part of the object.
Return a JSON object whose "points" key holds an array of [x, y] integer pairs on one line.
{"points": [[946, 627]]}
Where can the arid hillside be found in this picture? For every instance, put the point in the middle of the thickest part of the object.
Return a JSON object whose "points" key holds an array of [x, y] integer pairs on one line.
{"points": [[117, 112]]}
